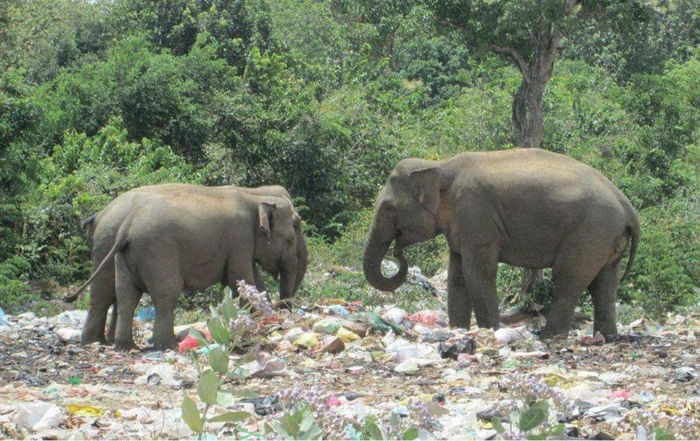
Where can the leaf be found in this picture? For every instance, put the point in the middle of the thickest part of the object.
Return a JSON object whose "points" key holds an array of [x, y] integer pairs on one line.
{"points": [[190, 415], [224, 399], [497, 425], [410, 434], [199, 336], [371, 429], [218, 360], [228, 307], [314, 433], [660, 434], [230, 417], [531, 418], [208, 386], [219, 333], [307, 420], [557, 431]]}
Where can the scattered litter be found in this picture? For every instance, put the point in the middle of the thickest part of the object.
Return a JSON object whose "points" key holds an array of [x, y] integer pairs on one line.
{"points": [[39, 415], [306, 340], [68, 335], [356, 362], [160, 374], [466, 345], [683, 374], [327, 326], [394, 315], [146, 314]]}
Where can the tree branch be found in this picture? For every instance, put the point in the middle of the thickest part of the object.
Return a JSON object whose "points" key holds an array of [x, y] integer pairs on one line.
{"points": [[452, 24], [570, 5], [522, 64]]}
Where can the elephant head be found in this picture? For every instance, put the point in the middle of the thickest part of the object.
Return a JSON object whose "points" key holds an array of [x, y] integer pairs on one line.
{"points": [[276, 242], [406, 212], [302, 252]]}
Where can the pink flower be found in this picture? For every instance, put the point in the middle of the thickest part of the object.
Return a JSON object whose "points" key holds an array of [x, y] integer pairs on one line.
{"points": [[187, 343]]}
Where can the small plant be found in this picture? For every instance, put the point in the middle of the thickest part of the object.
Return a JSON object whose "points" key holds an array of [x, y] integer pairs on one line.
{"points": [[229, 325], [530, 410], [534, 415], [298, 423]]}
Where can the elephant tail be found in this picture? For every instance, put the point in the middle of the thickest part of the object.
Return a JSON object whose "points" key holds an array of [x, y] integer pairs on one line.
{"points": [[633, 231], [119, 244], [88, 221]]}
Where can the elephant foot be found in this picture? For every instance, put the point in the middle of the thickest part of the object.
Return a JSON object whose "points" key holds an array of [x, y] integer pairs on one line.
{"points": [[164, 343], [285, 304], [551, 332], [609, 332], [89, 339], [124, 345]]}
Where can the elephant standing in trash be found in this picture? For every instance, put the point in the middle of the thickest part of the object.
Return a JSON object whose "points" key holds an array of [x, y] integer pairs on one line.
{"points": [[525, 207], [103, 228]]}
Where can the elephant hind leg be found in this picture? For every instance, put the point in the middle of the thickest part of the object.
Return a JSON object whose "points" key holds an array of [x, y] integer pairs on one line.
{"points": [[164, 292], [604, 294], [571, 276], [101, 297], [459, 304], [128, 296]]}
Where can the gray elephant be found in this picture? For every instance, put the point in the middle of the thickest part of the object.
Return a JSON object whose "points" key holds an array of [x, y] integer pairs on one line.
{"points": [[191, 238], [525, 207], [102, 231]]}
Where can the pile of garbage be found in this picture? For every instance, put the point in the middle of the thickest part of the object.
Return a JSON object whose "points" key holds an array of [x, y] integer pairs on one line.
{"points": [[357, 363]]}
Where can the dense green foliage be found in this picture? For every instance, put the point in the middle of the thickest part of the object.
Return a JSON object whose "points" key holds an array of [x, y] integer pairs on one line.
{"points": [[324, 97]]}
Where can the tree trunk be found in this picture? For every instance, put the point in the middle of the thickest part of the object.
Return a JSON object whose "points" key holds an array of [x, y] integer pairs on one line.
{"points": [[528, 112]]}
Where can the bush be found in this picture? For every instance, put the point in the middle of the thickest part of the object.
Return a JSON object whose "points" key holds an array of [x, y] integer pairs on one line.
{"points": [[667, 267], [78, 180]]}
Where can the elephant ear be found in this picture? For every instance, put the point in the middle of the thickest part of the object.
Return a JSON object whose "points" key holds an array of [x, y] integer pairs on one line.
{"points": [[427, 185], [265, 210]]}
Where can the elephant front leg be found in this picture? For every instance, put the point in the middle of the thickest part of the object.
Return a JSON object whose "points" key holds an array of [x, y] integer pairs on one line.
{"points": [[479, 268], [459, 305]]}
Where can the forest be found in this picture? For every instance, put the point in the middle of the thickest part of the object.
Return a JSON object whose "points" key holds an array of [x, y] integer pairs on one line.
{"points": [[324, 97]]}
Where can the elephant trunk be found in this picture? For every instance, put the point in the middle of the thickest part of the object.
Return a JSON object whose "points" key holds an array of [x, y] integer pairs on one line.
{"points": [[302, 259], [380, 238], [288, 276]]}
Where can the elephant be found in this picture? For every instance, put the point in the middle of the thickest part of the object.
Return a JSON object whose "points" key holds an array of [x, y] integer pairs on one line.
{"points": [[178, 240], [102, 230], [527, 207]]}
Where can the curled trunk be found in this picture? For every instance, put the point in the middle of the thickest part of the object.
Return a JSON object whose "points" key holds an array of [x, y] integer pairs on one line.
{"points": [[378, 244]]}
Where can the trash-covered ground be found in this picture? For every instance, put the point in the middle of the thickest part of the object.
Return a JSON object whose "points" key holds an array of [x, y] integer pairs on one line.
{"points": [[351, 362]]}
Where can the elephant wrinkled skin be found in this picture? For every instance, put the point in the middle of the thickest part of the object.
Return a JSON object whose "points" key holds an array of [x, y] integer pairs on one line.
{"points": [[186, 237], [525, 207]]}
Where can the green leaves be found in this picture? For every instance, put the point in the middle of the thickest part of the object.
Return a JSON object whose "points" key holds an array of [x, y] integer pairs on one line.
{"points": [[533, 416], [220, 333], [207, 387], [190, 414], [218, 360], [297, 424], [229, 417]]}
